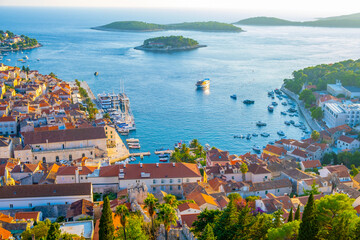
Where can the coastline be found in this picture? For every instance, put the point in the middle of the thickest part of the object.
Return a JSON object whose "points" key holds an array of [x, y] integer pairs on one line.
{"points": [[20, 49], [162, 30], [169, 49], [305, 112]]}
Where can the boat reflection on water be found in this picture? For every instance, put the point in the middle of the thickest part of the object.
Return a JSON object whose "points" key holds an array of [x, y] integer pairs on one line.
{"points": [[203, 91]]}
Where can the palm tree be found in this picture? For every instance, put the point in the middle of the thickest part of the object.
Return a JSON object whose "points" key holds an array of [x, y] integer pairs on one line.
{"points": [[167, 215], [194, 143], [243, 169], [171, 200], [123, 212], [151, 204]]}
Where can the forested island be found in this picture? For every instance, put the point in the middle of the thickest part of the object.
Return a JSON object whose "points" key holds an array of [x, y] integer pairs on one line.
{"points": [[345, 21], [210, 26], [347, 71], [170, 43], [11, 42]]}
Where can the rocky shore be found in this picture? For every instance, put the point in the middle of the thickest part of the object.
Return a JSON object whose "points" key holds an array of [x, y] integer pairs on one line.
{"points": [[168, 49], [20, 49]]}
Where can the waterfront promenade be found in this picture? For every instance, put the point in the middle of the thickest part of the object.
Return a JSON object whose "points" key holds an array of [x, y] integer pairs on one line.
{"points": [[305, 112], [84, 85]]}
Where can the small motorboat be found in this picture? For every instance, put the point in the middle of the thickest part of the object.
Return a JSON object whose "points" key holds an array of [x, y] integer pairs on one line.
{"points": [[237, 136], [283, 113], [274, 103], [163, 159], [277, 91], [271, 142], [270, 108], [281, 133], [260, 124], [297, 125], [287, 123], [284, 103], [132, 159], [255, 135], [256, 148], [96, 73], [292, 122], [247, 101], [292, 110], [248, 137], [233, 96], [264, 134]]}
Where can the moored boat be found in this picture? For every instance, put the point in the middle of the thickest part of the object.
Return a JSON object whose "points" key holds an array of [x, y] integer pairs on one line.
{"points": [[203, 84], [264, 134], [233, 96], [260, 124], [256, 148], [283, 113], [281, 133], [270, 108], [254, 134], [287, 123], [247, 101], [96, 73], [274, 103], [248, 137]]}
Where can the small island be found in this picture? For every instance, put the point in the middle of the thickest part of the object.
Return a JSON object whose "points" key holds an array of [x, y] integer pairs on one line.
{"points": [[139, 26], [11, 42], [169, 44]]}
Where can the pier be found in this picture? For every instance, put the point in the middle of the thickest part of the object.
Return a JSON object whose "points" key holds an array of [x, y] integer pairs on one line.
{"points": [[139, 154], [164, 152]]}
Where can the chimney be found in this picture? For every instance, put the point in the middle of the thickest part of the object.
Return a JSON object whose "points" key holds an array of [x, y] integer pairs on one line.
{"points": [[157, 164], [141, 165], [77, 178]]}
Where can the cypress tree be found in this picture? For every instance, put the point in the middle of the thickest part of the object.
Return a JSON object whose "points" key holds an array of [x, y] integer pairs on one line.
{"points": [[106, 226], [290, 219], [208, 233], [297, 213], [308, 228], [54, 232]]}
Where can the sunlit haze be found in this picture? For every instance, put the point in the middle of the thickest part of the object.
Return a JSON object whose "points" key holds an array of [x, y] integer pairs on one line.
{"points": [[306, 8]]}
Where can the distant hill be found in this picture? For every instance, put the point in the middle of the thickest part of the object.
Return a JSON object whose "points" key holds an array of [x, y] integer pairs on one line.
{"points": [[345, 21], [191, 26]]}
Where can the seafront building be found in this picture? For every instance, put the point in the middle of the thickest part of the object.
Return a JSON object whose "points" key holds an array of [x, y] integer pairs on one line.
{"points": [[336, 114]]}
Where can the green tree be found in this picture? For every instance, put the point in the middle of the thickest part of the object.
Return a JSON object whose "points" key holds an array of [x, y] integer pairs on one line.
{"points": [[106, 116], [354, 170], [244, 169], [314, 190], [315, 135], [208, 233], [287, 231], [297, 213], [123, 212], [317, 113], [308, 227], [151, 203], [39, 231], [171, 200], [54, 232], [307, 96], [278, 219], [290, 218], [205, 217], [106, 226], [134, 229], [226, 224], [167, 215]]}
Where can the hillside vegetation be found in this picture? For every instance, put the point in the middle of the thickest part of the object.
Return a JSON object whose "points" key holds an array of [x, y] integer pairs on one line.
{"points": [[347, 71], [192, 26], [345, 21]]}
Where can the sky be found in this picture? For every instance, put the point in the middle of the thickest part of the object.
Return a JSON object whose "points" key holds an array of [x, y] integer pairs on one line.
{"points": [[315, 8]]}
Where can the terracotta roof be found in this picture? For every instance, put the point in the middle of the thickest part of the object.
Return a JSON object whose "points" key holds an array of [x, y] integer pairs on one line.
{"points": [[70, 170], [218, 155], [188, 219], [7, 119], [346, 139], [275, 184], [303, 200], [257, 169], [27, 215], [29, 168], [201, 199], [311, 164], [342, 128], [46, 190], [276, 150], [297, 174], [76, 134], [80, 207], [186, 206], [300, 153], [4, 234], [163, 170], [215, 183]]}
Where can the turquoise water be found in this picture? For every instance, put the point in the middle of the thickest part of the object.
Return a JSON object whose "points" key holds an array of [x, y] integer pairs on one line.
{"points": [[161, 88]]}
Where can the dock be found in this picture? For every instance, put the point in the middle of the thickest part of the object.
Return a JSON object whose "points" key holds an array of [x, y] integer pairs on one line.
{"points": [[164, 152], [139, 154]]}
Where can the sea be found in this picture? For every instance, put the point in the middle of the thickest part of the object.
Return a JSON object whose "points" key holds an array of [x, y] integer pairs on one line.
{"points": [[161, 86]]}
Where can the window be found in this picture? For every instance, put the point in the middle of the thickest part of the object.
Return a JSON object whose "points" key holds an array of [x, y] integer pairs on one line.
{"points": [[30, 205], [44, 159], [154, 189], [83, 155], [154, 181], [57, 159], [70, 157], [179, 180], [266, 192], [232, 177], [171, 188], [66, 203], [179, 187], [48, 204], [91, 153], [187, 180], [278, 190], [81, 178], [11, 206], [35, 157], [171, 180], [162, 181]]}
